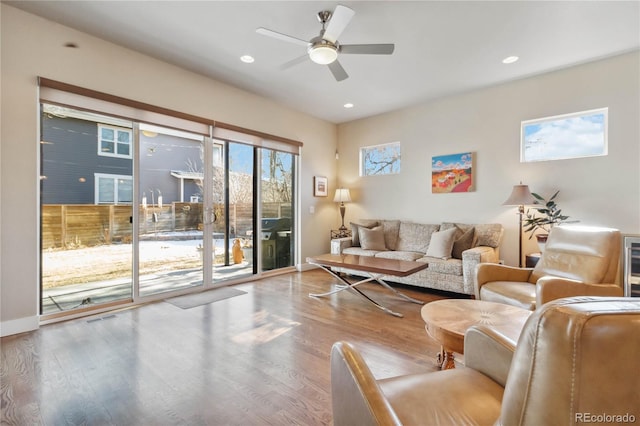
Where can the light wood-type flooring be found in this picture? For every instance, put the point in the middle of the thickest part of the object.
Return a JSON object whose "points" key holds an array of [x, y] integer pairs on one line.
{"points": [[261, 358]]}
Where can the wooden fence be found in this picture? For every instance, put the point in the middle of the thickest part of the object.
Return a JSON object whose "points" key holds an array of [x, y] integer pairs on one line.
{"points": [[76, 225]]}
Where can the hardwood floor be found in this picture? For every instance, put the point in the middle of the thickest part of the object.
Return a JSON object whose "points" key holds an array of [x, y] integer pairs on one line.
{"points": [[261, 358]]}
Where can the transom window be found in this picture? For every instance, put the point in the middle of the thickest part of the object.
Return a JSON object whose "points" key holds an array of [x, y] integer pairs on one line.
{"points": [[381, 159], [114, 141]]}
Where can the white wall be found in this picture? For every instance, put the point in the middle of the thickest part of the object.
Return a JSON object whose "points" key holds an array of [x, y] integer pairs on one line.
{"points": [[599, 191], [33, 47]]}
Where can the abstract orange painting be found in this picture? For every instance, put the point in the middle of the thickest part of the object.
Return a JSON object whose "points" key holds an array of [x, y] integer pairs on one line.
{"points": [[452, 173]]}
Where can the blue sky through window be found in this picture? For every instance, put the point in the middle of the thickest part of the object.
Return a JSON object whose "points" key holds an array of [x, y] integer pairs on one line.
{"points": [[570, 136]]}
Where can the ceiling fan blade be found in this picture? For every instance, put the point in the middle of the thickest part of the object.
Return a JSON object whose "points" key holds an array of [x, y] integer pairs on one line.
{"points": [[367, 49], [280, 36], [338, 72], [296, 61], [338, 22]]}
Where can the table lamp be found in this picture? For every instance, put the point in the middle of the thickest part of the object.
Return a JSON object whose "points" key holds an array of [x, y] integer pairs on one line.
{"points": [[342, 196], [520, 196]]}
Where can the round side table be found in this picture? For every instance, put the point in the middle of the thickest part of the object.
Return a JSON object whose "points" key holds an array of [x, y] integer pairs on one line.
{"points": [[447, 321]]}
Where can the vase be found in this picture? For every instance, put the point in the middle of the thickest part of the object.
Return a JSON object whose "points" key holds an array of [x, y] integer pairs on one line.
{"points": [[542, 241]]}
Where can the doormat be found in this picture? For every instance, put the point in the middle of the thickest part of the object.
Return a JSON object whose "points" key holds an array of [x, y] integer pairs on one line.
{"points": [[204, 298]]}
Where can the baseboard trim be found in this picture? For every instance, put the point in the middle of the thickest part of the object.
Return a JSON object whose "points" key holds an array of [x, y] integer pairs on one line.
{"points": [[303, 267], [21, 325]]}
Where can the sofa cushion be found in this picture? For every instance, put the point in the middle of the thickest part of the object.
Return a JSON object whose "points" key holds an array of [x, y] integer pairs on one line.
{"points": [[441, 244], [520, 294], [415, 236], [359, 251], [391, 230], [441, 266], [400, 255], [461, 227], [464, 239], [462, 242], [355, 235], [372, 239]]}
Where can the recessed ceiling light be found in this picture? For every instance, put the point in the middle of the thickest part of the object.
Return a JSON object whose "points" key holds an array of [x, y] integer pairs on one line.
{"points": [[510, 59], [348, 105], [247, 59]]}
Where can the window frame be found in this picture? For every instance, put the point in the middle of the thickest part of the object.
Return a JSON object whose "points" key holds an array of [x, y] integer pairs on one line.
{"points": [[115, 178], [389, 145], [116, 141], [575, 128]]}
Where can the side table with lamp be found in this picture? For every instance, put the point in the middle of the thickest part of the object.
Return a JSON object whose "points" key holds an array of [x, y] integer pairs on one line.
{"points": [[342, 196]]}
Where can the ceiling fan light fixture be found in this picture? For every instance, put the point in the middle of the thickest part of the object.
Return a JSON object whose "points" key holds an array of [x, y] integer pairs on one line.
{"points": [[323, 54]]}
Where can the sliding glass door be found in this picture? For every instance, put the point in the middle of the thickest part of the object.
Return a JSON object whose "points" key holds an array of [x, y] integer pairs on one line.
{"points": [[86, 191], [277, 202], [170, 214], [233, 206], [132, 211]]}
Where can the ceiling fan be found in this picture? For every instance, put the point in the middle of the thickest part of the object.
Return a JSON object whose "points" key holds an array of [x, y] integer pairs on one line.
{"points": [[324, 48]]}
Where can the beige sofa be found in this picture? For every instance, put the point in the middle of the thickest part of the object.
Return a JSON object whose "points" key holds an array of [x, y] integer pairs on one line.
{"points": [[452, 250]]}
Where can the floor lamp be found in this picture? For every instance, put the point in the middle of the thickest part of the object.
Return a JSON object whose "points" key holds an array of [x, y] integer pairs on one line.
{"points": [[520, 196], [342, 196]]}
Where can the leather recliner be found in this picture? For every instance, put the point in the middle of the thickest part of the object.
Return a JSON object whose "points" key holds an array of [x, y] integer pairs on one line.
{"points": [[575, 362], [577, 261]]}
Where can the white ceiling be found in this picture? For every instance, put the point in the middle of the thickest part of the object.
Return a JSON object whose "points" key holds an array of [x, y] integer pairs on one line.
{"points": [[442, 48]]}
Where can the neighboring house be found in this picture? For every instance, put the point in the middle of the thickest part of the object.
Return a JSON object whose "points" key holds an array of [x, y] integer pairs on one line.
{"points": [[170, 166], [88, 159], [77, 168]]}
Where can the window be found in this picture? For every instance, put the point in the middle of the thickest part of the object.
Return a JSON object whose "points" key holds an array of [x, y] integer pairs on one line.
{"points": [[380, 159], [576, 135], [114, 141], [113, 189]]}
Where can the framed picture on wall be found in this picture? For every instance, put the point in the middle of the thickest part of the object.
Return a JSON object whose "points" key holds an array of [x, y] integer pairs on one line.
{"points": [[452, 173], [576, 135], [320, 186]]}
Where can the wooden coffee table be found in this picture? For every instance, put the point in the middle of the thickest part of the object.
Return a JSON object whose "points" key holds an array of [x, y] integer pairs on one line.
{"points": [[372, 267], [447, 321]]}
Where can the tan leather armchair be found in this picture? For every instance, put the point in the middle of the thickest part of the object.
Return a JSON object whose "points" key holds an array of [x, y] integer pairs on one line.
{"points": [[577, 261], [577, 358]]}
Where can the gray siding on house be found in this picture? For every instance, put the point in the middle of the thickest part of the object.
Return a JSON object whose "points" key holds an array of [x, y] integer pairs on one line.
{"points": [[161, 154], [70, 161], [69, 151]]}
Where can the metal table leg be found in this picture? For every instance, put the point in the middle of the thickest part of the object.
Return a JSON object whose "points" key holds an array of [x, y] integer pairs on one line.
{"points": [[352, 286]]}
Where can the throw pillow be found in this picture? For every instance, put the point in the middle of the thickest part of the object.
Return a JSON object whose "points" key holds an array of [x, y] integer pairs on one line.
{"points": [[464, 242], [391, 229], [372, 239], [355, 236], [488, 234], [441, 244]]}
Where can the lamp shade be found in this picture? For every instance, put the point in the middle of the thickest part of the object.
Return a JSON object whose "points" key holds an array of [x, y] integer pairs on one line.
{"points": [[520, 196], [342, 196]]}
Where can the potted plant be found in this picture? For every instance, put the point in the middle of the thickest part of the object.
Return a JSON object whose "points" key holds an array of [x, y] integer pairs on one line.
{"points": [[543, 218]]}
